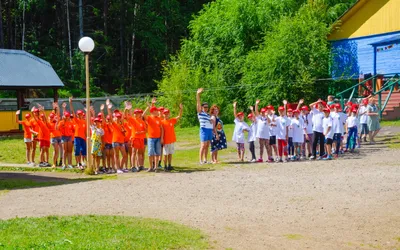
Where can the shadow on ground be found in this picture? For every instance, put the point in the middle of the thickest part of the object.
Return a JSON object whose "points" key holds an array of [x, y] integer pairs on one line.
{"points": [[12, 181]]}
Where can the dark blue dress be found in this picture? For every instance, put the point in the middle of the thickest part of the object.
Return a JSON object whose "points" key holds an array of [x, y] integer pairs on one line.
{"points": [[221, 143]]}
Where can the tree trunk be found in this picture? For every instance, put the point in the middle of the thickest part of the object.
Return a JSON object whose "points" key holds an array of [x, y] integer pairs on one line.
{"points": [[9, 25], [69, 39], [80, 19], [1, 27], [132, 61], [122, 41], [105, 15], [23, 26]]}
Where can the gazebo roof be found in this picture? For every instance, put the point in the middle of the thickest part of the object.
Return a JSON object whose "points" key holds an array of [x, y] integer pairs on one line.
{"points": [[20, 69]]}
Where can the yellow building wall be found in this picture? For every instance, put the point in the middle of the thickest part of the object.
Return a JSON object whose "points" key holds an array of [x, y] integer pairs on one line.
{"points": [[373, 17], [7, 120]]}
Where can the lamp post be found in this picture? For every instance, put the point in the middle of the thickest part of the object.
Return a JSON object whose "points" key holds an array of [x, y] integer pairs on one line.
{"points": [[86, 45]]}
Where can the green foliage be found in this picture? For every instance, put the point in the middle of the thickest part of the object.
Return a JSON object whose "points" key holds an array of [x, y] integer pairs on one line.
{"points": [[245, 50], [97, 232]]}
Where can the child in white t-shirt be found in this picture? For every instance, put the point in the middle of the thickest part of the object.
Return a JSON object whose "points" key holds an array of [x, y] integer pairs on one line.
{"points": [[272, 133], [318, 130], [328, 133], [362, 113], [282, 125], [299, 129], [238, 133], [263, 131], [290, 134], [252, 134]]}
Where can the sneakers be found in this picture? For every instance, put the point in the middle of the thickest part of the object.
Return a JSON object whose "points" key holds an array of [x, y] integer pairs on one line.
{"points": [[63, 167], [70, 167], [260, 160], [312, 157], [125, 170], [329, 157], [285, 160], [320, 158], [253, 160], [120, 171]]}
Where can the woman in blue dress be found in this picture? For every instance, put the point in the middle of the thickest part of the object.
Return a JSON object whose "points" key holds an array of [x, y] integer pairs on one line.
{"points": [[219, 139]]}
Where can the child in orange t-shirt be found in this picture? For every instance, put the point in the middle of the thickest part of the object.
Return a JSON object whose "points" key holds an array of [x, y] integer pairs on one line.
{"points": [[26, 124], [44, 139], [66, 128], [155, 137], [35, 131], [169, 139], [138, 136]]}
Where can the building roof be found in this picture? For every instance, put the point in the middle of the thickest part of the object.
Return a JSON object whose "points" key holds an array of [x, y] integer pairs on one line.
{"points": [[367, 18], [20, 69]]}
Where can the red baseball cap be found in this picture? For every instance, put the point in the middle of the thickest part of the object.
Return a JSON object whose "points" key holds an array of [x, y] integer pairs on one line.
{"points": [[239, 114], [118, 115], [304, 108], [116, 111], [354, 110], [296, 111], [327, 110], [41, 115], [97, 120], [165, 111], [365, 101], [281, 108], [35, 109], [338, 106], [290, 110], [153, 109], [263, 110], [100, 115], [79, 112], [270, 107], [161, 109], [333, 106], [51, 115], [349, 104], [28, 116], [108, 117], [67, 114], [250, 115]]}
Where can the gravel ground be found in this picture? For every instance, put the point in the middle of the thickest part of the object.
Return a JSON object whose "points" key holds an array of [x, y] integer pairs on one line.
{"points": [[351, 203]]}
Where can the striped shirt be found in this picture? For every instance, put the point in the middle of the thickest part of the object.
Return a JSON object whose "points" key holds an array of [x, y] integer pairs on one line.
{"points": [[205, 120]]}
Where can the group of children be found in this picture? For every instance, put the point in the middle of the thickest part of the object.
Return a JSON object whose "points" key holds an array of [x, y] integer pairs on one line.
{"points": [[294, 133], [118, 139]]}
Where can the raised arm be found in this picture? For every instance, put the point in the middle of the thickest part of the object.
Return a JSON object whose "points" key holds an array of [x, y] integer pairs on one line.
{"points": [[234, 109], [301, 101], [17, 116], [252, 110], [285, 107], [71, 107], [180, 112], [256, 107], [198, 101], [109, 106], [102, 112], [63, 105]]}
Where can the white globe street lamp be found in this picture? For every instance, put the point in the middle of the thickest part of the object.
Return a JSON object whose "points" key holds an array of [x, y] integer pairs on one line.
{"points": [[86, 45]]}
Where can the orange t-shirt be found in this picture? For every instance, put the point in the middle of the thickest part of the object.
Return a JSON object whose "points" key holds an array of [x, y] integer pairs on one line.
{"points": [[169, 130], [138, 125], [128, 129], [154, 126], [34, 125], [27, 128], [80, 128], [54, 132], [44, 132], [108, 133], [118, 133], [66, 128]]}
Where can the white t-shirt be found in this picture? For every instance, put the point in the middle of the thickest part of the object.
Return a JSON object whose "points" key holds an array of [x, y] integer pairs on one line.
{"points": [[297, 127], [272, 129], [290, 135], [327, 122], [262, 130], [351, 121], [317, 118], [343, 118], [363, 117], [282, 123], [308, 122], [252, 132], [337, 125], [238, 133]]}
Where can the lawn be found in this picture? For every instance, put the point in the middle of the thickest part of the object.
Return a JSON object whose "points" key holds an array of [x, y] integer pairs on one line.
{"points": [[97, 232], [12, 150], [395, 123]]}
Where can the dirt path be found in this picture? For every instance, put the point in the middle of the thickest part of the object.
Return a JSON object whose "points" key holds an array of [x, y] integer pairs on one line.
{"points": [[351, 203]]}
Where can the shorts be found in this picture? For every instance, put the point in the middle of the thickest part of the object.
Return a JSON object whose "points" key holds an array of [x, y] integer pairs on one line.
{"points": [[138, 143], [108, 146], [154, 146], [55, 140], [206, 134], [80, 146], [169, 149], [145, 141], [240, 146], [44, 143], [272, 140], [66, 139], [27, 140], [364, 129], [329, 141], [118, 144], [127, 146]]}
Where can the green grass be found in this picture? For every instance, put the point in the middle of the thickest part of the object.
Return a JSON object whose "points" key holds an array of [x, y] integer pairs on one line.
{"points": [[390, 123], [12, 150], [392, 142], [97, 232], [294, 236]]}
